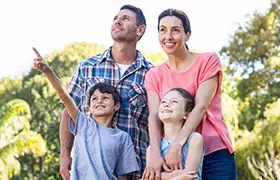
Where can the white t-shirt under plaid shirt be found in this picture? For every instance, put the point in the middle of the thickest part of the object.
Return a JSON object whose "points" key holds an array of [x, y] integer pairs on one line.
{"points": [[132, 117]]}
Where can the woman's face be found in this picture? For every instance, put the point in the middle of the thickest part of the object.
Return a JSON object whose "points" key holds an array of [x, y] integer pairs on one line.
{"points": [[171, 34]]}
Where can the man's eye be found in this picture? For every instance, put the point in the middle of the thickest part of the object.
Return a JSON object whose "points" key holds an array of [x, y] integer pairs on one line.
{"points": [[161, 30]]}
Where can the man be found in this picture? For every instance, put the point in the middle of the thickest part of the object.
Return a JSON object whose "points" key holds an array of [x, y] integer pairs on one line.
{"points": [[123, 67]]}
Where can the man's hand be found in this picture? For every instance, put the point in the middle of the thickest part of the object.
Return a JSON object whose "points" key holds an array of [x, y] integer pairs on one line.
{"points": [[153, 169], [65, 166], [39, 63], [173, 158]]}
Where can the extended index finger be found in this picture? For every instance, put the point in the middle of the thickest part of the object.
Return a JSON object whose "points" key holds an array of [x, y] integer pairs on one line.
{"points": [[37, 53]]}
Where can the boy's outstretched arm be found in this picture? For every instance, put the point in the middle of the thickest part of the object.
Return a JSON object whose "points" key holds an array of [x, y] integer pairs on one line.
{"points": [[41, 65]]}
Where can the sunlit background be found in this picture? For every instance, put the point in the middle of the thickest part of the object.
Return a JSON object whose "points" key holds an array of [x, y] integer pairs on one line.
{"points": [[52, 24], [245, 33]]}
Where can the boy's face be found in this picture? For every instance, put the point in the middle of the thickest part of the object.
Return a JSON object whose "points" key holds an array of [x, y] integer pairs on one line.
{"points": [[102, 104], [172, 107]]}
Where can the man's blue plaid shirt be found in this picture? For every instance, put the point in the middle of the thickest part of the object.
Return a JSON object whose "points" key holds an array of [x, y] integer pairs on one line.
{"points": [[132, 117]]}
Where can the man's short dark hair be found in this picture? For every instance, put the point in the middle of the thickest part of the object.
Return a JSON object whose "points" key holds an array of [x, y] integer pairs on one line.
{"points": [[105, 88], [140, 18]]}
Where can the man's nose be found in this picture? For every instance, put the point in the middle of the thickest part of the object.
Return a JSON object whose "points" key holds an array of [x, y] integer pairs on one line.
{"points": [[117, 21]]}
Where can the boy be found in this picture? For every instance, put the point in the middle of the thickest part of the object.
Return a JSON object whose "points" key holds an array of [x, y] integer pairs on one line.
{"points": [[100, 152]]}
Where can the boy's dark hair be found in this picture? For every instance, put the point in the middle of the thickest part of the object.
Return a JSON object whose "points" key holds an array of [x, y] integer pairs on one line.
{"points": [[179, 14], [189, 99], [105, 88], [140, 18]]}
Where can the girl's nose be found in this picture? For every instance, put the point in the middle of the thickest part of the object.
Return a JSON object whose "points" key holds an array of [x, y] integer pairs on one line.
{"points": [[165, 105]]}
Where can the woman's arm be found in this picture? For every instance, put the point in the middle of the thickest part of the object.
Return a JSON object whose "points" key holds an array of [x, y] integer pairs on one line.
{"points": [[194, 154], [154, 159], [203, 98]]}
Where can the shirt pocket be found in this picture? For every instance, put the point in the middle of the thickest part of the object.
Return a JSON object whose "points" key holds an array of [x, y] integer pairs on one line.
{"points": [[137, 95]]}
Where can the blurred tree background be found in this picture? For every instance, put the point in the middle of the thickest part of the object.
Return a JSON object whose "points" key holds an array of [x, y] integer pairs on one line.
{"points": [[30, 109]]}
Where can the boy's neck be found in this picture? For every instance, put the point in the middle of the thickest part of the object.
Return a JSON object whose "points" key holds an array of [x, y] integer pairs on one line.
{"points": [[104, 121], [171, 130]]}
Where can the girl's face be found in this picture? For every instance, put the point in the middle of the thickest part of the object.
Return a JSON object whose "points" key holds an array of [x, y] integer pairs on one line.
{"points": [[171, 34], [172, 107]]}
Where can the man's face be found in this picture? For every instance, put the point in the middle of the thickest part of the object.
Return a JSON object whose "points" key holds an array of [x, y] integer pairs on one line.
{"points": [[124, 26]]}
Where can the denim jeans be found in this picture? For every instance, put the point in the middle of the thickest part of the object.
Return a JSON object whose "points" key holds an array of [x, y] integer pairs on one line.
{"points": [[219, 165]]}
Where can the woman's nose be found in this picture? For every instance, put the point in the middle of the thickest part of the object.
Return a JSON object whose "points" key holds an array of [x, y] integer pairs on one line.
{"points": [[169, 35]]}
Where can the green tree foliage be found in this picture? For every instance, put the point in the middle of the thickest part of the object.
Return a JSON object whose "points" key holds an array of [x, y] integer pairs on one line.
{"points": [[230, 107], [155, 58], [253, 56], [255, 147], [46, 109], [16, 138]]}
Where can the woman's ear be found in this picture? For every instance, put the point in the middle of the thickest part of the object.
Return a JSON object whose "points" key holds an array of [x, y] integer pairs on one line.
{"points": [[188, 35]]}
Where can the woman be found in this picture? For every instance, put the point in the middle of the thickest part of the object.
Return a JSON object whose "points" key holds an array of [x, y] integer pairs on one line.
{"points": [[201, 75]]}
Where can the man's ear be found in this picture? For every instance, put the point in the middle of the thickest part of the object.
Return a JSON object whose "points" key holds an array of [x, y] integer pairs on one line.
{"points": [[117, 107], [140, 30]]}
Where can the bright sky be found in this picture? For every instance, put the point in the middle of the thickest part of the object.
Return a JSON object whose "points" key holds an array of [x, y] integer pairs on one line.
{"points": [[50, 25]]}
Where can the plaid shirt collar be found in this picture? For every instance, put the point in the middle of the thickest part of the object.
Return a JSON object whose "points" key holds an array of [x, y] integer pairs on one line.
{"points": [[139, 62]]}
